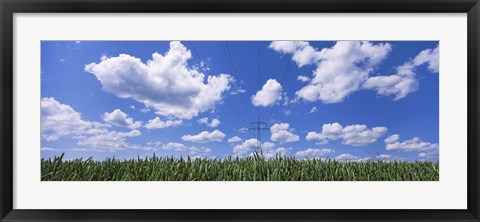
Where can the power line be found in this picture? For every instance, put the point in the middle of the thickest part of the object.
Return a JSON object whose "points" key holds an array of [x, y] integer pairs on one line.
{"points": [[258, 70], [284, 75], [218, 88], [258, 65], [242, 101], [331, 43]]}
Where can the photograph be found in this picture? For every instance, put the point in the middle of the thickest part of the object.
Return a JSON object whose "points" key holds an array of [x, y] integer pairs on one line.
{"points": [[225, 110]]}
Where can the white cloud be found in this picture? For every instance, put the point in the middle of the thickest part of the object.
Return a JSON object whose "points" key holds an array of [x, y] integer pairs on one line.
{"points": [[203, 121], [248, 146], [132, 107], [280, 133], [396, 85], [234, 139], [389, 158], [414, 144], [403, 82], [303, 78], [205, 136], [60, 120], [214, 122], [354, 135], [119, 118], [269, 151], [243, 130], [268, 95], [430, 56], [157, 123], [428, 155], [343, 69], [237, 91], [392, 139], [78, 42], [422, 155], [49, 149], [384, 157], [145, 110], [303, 53], [199, 152], [314, 153], [351, 158], [346, 68], [314, 109], [174, 146], [164, 83], [157, 146], [101, 139]]}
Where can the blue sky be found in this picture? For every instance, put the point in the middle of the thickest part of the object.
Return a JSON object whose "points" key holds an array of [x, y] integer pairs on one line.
{"points": [[348, 100]]}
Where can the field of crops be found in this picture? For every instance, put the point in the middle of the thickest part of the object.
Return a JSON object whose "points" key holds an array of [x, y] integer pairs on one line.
{"points": [[234, 169]]}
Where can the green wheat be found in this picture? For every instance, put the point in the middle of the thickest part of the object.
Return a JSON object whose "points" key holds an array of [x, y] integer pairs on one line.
{"points": [[252, 168]]}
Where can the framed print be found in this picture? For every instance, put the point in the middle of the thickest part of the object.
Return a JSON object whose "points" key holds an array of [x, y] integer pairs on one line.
{"points": [[255, 111]]}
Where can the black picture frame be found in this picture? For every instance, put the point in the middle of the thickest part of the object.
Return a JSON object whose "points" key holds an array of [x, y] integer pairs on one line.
{"points": [[9, 7]]}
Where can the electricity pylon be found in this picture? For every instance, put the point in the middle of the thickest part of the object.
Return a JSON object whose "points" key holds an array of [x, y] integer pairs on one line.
{"points": [[259, 127]]}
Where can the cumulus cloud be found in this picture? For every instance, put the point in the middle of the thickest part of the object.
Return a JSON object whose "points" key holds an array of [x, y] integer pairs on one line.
{"points": [[342, 70], [303, 78], [346, 68], [199, 152], [243, 130], [414, 144], [389, 158], [165, 83], [396, 85], [313, 153], [248, 146], [159, 146], [269, 151], [303, 52], [49, 149], [280, 132], [351, 158], [214, 122], [422, 155], [314, 109], [60, 120], [428, 155], [384, 156], [157, 123], [403, 82], [268, 95], [354, 135], [103, 139], [119, 118], [237, 91], [392, 139], [430, 57], [205, 136], [174, 146], [234, 139]]}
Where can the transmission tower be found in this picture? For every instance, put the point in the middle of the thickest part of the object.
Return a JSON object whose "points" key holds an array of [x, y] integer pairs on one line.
{"points": [[259, 126]]}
